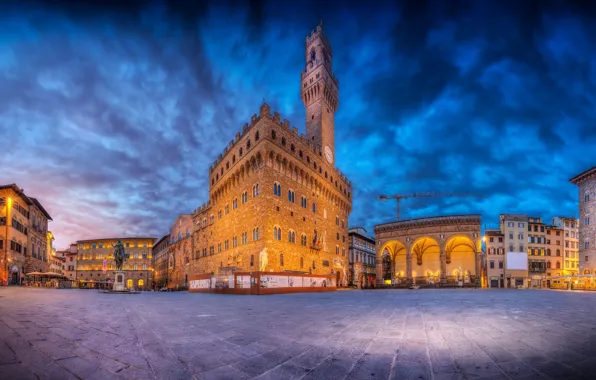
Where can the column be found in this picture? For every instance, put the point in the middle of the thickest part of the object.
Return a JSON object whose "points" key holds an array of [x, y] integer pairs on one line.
{"points": [[443, 266], [478, 271], [409, 266]]}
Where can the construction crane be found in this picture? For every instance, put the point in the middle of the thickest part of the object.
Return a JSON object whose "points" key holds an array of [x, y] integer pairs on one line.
{"points": [[399, 197]]}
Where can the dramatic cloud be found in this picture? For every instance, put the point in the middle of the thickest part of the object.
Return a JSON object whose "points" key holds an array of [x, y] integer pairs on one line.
{"points": [[111, 115]]}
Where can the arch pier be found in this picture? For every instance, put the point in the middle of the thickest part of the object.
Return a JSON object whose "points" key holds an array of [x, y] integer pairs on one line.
{"points": [[430, 252]]}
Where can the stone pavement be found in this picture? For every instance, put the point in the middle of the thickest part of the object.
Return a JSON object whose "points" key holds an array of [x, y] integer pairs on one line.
{"points": [[376, 334]]}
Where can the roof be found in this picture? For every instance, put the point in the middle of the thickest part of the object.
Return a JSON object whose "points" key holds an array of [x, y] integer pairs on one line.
{"points": [[583, 176], [119, 238], [40, 207], [17, 190], [493, 233]]}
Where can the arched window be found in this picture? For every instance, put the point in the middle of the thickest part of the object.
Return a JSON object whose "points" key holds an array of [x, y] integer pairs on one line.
{"points": [[233, 159], [211, 219], [276, 233], [240, 152], [283, 141], [255, 190], [257, 136], [135, 267], [303, 239], [303, 202], [276, 189], [314, 207], [558, 252], [273, 136], [291, 236], [244, 198], [235, 204], [180, 235], [558, 265], [291, 195], [548, 265], [248, 144], [281, 259], [292, 147], [337, 249], [255, 233], [548, 252]]}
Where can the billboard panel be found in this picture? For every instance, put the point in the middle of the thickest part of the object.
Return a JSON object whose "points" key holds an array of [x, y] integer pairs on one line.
{"points": [[517, 261]]}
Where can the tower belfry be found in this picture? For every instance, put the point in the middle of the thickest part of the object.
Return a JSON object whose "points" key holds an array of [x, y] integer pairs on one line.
{"points": [[320, 92]]}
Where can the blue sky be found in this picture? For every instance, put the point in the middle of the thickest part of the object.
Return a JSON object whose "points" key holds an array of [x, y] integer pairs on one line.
{"points": [[113, 112]]}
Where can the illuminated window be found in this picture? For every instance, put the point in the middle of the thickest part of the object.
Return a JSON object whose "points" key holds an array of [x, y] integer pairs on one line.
{"points": [[276, 189], [255, 190], [291, 195], [141, 282]]}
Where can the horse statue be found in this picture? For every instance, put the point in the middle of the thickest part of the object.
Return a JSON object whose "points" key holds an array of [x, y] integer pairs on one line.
{"points": [[119, 255]]}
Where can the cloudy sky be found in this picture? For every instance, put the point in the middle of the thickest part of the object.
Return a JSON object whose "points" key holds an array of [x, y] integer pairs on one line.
{"points": [[111, 114]]}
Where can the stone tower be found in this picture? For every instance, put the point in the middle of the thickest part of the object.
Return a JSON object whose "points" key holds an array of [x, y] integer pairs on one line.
{"points": [[320, 93]]}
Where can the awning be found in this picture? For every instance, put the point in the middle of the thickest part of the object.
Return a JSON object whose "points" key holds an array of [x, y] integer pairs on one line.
{"points": [[34, 274]]}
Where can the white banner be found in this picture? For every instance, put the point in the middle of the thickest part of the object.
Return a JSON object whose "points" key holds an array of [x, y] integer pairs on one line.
{"points": [[243, 282], [200, 284]]}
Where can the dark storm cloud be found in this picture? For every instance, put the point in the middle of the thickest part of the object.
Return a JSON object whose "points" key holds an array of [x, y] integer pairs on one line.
{"points": [[117, 109]]}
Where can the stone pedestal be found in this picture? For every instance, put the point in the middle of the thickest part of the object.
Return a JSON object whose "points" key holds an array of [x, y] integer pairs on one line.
{"points": [[119, 282]]}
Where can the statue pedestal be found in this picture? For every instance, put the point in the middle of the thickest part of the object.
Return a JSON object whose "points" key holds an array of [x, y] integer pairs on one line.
{"points": [[119, 282]]}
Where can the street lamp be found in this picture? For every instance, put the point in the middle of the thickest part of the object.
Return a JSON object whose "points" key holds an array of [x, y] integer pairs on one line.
{"points": [[6, 259]]}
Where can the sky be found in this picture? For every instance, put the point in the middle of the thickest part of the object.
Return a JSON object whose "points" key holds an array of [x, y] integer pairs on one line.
{"points": [[112, 112]]}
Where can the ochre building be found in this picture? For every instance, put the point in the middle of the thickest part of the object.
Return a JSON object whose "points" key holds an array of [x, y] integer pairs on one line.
{"points": [[160, 262], [25, 241], [277, 201], [96, 265]]}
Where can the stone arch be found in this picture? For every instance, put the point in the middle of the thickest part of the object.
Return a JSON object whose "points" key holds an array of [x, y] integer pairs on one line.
{"points": [[460, 256], [426, 257], [398, 253]]}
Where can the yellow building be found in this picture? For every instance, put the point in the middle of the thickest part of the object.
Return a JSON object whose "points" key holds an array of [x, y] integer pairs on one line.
{"points": [[537, 259], [276, 200], [95, 265]]}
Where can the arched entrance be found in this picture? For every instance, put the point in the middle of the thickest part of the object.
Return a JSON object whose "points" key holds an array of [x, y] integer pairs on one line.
{"points": [[426, 261], [460, 259], [428, 251]]}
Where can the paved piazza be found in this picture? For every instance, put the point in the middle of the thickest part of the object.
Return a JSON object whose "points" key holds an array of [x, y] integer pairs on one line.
{"points": [[376, 334]]}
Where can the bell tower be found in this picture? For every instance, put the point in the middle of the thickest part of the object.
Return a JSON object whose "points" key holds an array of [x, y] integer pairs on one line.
{"points": [[320, 93]]}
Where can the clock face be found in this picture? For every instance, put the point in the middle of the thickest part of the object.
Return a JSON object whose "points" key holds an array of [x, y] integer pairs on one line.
{"points": [[328, 154]]}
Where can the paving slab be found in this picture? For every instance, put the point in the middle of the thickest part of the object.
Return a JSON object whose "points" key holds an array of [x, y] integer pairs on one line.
{"points": [[358, 334]]}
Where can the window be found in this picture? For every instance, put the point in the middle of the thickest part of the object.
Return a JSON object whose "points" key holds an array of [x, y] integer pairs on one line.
{"points": [[291, 195], [337, 220], [252, 260], [303, 239], [303, 201], [211, 219], [248, 144], [587, 197], [587, 220], [226, 244], [337, 249], [244, 198], [510, 224], [218, 247], [492, 265], [291, 236], [255, 233], [273, 136], [521, 225], [240, 152], [587, 245], [277, 189], [283, 141], [235, 204], [314, 207], [211, 250], [235, 241], [500, 265], [276, 233], [244, 237], [255, 190], [281, 259]]}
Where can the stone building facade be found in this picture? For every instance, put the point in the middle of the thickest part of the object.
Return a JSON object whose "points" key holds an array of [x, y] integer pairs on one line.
{"points": [[495, 258], [160, 262], [570, 228], [277, 201], [362, 258], [586, 183], [23, 235], [430, 251], [96, 256], [180, 252]]}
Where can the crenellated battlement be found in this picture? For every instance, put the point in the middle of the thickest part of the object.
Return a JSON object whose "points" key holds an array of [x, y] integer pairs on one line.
{"points": [[318, 33], [284, 124]]}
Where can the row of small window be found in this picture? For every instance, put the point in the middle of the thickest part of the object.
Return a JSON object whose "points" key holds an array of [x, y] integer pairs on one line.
{"points": [[366, 259], [277, 235], [283, 143], [325, 263], [226, 245], [17, 247], [134, 255], [180, 236], [108, 245], [109, 267]]}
